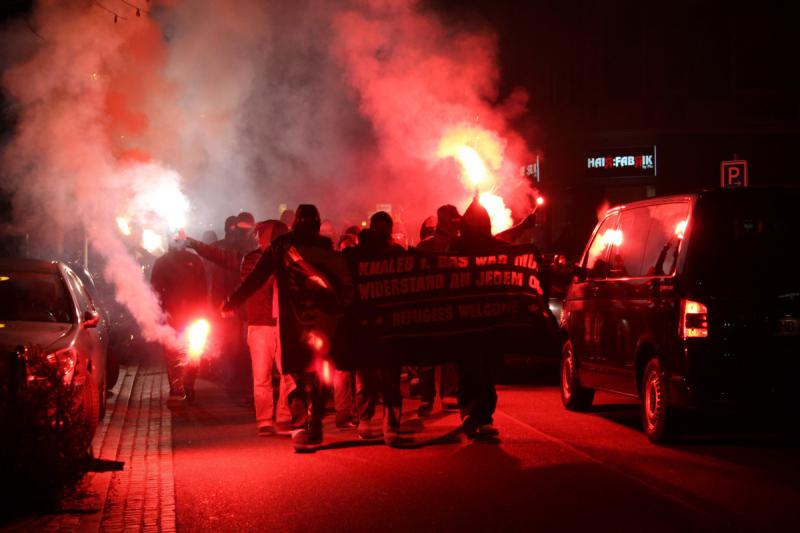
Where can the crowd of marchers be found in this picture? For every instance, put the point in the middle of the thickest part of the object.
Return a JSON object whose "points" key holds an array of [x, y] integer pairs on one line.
{"points": [[237, 275]]}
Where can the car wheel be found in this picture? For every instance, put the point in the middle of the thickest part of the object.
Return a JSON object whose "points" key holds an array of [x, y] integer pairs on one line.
{"points": [[573, 395], [658, 416], [91, 405]]}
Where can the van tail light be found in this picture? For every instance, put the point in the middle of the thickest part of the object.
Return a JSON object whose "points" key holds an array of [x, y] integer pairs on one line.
{"points": [[694, 319]]}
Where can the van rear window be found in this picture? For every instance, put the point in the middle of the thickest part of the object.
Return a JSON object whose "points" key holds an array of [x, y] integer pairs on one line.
{"points": [[744, 243]]}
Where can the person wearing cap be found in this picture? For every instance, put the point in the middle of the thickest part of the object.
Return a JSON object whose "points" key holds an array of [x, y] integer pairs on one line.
{"points": [[444, 233], [274, 261], [262, 328]]}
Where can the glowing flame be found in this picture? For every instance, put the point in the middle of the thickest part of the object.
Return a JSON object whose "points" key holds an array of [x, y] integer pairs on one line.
{"points": [[197, 338], [479, 152], [498, 212], [540, 200], [152, 242], [124, 226]]}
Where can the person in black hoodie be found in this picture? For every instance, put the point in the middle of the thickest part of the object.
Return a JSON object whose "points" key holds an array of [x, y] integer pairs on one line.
{"points": [[478, 371], [284, 256], [373, 384]]}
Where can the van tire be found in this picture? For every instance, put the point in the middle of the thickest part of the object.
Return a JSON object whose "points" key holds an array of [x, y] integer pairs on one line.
{"points": [[659, 419], [573, 395]]}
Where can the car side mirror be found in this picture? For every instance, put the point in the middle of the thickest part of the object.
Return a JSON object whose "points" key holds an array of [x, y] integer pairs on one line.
{"points": [[90, 319]]}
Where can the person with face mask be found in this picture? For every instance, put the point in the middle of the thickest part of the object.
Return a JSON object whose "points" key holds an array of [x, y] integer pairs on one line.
{"points": [[286, 259], [179, 279], [373, 385], [262, 330], [441, 238], [477, 371]]}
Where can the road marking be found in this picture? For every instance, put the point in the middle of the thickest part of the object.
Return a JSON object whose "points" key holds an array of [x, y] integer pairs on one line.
{"points": [[590, 458]]}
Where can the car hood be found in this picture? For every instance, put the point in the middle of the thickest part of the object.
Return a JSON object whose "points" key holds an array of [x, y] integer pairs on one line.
{"points": [[49, 335]]}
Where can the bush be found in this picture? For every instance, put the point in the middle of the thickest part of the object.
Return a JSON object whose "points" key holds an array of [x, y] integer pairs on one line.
{"points": [[45, 448]]}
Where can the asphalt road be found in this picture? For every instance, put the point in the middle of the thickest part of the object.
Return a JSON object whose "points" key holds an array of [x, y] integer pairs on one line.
{"points": [[551, 470]]}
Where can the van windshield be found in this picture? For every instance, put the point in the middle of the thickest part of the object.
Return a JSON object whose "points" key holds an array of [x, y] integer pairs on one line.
{"points": [[745, 242]]}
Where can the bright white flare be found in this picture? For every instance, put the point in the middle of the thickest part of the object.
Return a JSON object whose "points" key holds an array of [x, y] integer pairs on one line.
{"points": [[197, 338], [498, 212], [152, 241]]}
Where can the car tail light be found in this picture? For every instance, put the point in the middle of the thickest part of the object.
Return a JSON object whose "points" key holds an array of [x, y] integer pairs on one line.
{"points": [[65, 361], [694, 319]]}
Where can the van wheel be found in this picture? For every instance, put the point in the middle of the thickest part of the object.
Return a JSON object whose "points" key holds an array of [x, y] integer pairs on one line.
{"points": [[659, 419], [573, 396]]}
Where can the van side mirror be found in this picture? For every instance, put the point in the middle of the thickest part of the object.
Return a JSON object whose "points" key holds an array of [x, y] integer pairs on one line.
{"points": [[90, 319], [578, 273]]}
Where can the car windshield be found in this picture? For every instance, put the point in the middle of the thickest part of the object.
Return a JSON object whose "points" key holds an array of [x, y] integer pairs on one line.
{"points": [[746, 243], [34, 297]]}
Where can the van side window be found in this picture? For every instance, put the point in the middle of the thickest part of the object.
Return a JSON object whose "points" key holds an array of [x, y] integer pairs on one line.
{"points": [[627, 254], [666, 232], [596, 261]]}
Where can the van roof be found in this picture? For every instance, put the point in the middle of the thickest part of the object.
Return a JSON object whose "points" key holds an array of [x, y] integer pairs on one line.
{"points": [[708, 193]]}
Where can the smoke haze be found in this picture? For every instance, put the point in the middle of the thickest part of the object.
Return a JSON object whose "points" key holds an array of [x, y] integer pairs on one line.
{"points": [[241, 106]]}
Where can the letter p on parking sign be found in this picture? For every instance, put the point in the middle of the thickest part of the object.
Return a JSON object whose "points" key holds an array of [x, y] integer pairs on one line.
{"points": [[733, 174]]}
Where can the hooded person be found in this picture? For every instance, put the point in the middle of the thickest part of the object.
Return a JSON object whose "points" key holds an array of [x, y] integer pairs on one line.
{"points": [[262, 328], [374, 385], [310, 277], [477, 371], [179, 279], [441, 237]]}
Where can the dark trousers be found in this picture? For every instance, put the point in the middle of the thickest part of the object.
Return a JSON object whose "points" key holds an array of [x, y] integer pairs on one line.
{"points": [[448, 382], [374, 384], [315, 397], [477, 397], [181, 374]]}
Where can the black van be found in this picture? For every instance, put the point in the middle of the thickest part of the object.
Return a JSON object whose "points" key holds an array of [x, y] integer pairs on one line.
{"points": [[687, 302]]}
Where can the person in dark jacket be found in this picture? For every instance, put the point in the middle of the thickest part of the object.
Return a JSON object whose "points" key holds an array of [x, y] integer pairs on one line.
{"points": [[230, 331], [179, 279], [442, 237], [477, 371], [284, 254], [262, 328], [374, 384]]}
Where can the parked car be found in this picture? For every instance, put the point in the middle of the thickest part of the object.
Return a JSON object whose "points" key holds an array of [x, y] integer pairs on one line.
{"points": [[44, 303], [687, 302]]}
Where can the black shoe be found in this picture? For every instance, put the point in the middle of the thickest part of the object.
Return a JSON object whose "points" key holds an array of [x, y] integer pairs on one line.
{"points": [[470, 427], [488, 430], [391, 436], [266, 431], [305, 441], [425, 409]]}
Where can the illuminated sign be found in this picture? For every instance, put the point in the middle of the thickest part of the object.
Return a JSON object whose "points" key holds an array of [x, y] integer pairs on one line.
{"points": [[633, 162], [733, 174]]}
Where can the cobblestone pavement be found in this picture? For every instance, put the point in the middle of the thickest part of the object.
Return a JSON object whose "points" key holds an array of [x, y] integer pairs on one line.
{"points": [[137, 431]]}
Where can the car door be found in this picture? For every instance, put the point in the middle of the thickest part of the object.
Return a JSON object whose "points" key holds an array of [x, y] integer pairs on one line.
{"points": [[583, 316], [92, 342]]}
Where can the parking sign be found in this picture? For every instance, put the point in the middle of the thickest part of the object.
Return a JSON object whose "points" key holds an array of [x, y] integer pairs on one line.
{"points": [[733, 174]]}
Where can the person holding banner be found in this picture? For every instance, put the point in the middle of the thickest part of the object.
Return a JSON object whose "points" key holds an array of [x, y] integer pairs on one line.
{"points": [[311, 280], [443, 236], [373, 384], [477, 371]]}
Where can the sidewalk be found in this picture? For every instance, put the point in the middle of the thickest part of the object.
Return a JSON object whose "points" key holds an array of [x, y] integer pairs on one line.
{"points": [[137, 430]]}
